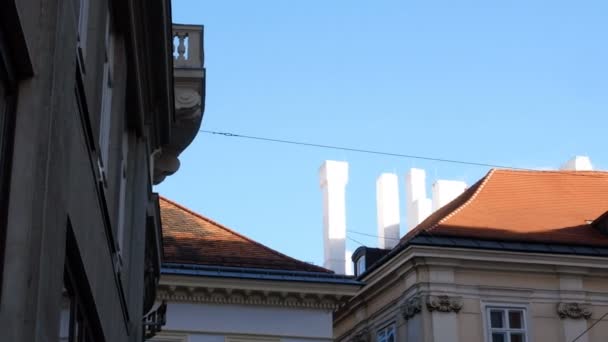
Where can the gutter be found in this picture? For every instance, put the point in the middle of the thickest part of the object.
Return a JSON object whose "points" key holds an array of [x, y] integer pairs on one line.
{"points": [[512, 246], [257, 274]]}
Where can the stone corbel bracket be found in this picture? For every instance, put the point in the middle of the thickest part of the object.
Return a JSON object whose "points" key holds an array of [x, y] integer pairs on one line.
{"points": [[574, 310], [411, 307], [443, 303], [188, 104]]}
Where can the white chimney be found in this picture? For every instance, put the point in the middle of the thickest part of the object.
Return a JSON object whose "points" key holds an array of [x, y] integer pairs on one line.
{"points": [[444, 191], [418, 206], [387, 201], [578, 163], [333, 177], [421, 209]]}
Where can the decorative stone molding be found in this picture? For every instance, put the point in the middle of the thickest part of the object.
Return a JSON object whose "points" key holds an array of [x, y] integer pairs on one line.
{"points": [[411, 307], [574, 310], [171, 293], [444, 303], [166, 163], [361, 336], [188, 104]]}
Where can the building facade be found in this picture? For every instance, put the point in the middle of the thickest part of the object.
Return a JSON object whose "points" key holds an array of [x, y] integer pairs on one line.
{"points": [[519, 256], [87, 123], [221, 286]]}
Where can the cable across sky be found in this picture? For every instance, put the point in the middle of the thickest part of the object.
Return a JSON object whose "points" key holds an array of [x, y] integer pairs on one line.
{"points": [[359, 150], [374, 152]]}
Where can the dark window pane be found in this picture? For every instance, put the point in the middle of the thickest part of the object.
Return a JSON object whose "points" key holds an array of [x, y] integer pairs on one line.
{"points": [[2, 117], [515, 319], [498, 337], [517, 337], [381, 336], [496, 319]]}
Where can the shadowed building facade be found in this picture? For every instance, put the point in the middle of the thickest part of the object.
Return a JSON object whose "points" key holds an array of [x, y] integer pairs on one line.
{"points": [[88, 120]]}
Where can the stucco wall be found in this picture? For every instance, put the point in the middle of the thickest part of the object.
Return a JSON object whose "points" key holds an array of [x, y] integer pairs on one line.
{"points": [[537, 288], [199, 322]]}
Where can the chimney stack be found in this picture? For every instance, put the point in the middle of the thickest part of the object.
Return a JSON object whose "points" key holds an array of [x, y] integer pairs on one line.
{"points": [[444, 191], [418, 206], [333, 177], [578, 163], [387, 201]]}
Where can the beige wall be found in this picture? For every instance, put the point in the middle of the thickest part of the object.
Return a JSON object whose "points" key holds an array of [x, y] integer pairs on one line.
{"points": [[531, 283]]}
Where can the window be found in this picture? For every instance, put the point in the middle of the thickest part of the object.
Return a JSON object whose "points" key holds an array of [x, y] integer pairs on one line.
{"points": [[83, 25], [106, 101], [78, 320], [105, 114], [386, 334], [360, 267], [122, 196], [506, 324], [74, 325], [3, 111], [8, 92]]}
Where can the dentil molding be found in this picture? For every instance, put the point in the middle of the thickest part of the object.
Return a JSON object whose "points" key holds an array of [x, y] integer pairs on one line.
{"points": [[172, 293]]}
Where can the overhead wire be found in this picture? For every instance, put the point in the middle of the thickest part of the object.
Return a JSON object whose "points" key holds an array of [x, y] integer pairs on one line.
{"points": [[372, 235], [358, 150], [355, 241], [383, 153], [590, 327]]}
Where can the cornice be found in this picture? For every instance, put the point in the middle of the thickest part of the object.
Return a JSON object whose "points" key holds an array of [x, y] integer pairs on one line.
{"points": [[219, 295]]}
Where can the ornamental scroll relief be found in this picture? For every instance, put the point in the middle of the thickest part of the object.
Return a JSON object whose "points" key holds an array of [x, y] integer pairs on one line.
{"points": [[442, 303], [411, 307], [188, 103], [574, 310]]}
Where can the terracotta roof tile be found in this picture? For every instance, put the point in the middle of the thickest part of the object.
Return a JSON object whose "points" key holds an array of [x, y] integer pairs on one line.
{"points": [[527, 206], [191, 238]]}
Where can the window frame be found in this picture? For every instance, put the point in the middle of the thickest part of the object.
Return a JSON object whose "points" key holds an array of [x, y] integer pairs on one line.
{"points": [[486, 319], [82, 32], [358, 269], [123, 200], [8, 80], [83, 322], [385, 329], [106, 110]]}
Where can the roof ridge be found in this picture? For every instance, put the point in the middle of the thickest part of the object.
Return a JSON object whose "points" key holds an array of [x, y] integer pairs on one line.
{"points": [[238, 234], [600, 173], [473, 196]]}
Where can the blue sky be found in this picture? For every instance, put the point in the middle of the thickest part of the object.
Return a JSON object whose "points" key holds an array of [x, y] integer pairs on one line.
{"points": [[519, 83]]}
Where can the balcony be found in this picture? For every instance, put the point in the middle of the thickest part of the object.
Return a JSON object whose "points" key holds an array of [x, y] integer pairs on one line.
{"points": [[189, 95]]}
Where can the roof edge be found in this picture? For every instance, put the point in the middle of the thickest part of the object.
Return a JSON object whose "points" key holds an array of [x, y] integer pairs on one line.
{"points": [[303, 263], [472, 197], [256, 274]]}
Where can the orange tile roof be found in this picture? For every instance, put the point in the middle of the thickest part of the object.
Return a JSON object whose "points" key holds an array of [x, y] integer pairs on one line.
{"points": [[527, 206], [191, 238]]}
